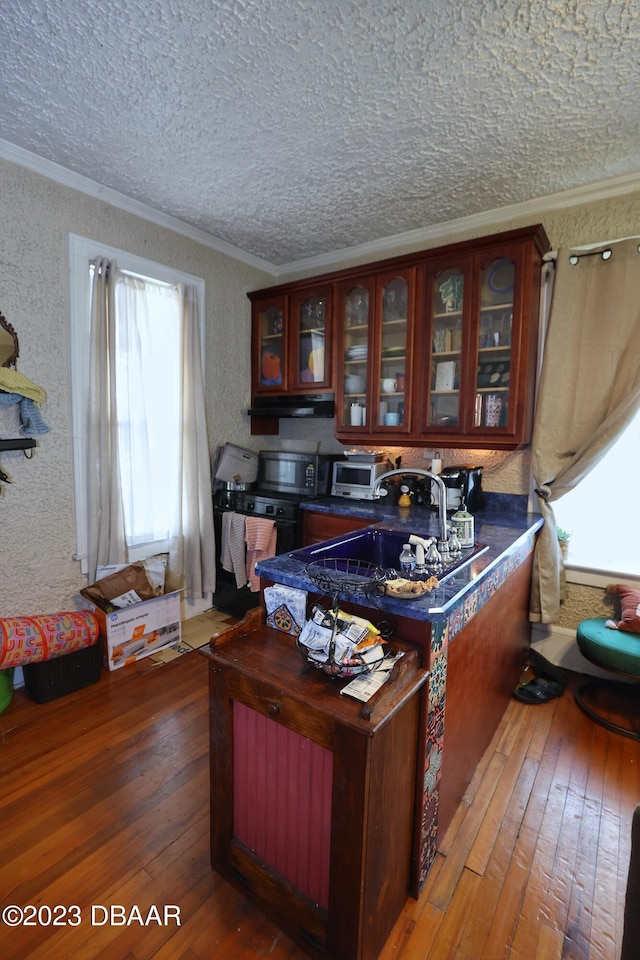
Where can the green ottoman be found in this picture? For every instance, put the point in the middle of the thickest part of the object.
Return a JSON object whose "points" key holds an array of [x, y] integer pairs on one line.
{"points": [[619, 652]]}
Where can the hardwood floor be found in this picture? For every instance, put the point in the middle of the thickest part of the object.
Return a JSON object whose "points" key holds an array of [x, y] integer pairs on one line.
{"points": [[104, 801]]}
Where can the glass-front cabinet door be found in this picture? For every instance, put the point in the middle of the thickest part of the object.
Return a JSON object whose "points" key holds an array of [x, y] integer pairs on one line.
{"points": [[394, 326], [449, 291], [270, 345], [310, 318], [494, 336], [355, 347], [474, 339]]}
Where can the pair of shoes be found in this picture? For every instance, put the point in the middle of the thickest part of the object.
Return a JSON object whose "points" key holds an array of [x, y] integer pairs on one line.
{"points": [[539, 691], [546, 670]]}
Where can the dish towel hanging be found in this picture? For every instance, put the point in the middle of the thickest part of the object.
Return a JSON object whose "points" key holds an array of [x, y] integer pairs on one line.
{"points": [[261, 537], [232, 550]]}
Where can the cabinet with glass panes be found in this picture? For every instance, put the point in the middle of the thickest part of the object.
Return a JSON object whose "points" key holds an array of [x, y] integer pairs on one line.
{"points": [[375, 349], [435, 348], [480, 343], [291, 350]]}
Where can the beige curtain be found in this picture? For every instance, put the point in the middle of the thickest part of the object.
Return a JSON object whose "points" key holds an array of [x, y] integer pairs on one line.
{"points": [[589, 391], [106, 533], [193, 544]]}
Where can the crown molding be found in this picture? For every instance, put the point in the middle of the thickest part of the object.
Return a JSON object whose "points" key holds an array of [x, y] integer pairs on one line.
{"points": [[602, 190], [68, 178]]}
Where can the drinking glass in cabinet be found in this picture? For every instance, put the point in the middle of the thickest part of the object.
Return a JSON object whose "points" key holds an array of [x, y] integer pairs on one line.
{"points": [[394, 301], [312, 314], [357, 307]]}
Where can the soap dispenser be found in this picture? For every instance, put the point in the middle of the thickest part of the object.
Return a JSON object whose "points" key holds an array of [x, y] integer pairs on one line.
{"points": [[463, 524]]}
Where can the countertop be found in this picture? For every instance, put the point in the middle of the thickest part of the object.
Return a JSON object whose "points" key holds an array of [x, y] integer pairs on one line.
{"points": [[504, 526]]}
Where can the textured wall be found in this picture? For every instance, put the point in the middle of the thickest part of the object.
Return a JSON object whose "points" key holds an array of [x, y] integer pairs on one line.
{"points": [[39, 574], [581, 603]]}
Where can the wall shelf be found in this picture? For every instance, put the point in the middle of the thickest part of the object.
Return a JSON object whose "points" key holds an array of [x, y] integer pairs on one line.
{"points": [[18, 444]]}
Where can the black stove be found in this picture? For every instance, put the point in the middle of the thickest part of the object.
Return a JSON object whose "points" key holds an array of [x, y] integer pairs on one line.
{"points": [[272, 506], [283, 508]]}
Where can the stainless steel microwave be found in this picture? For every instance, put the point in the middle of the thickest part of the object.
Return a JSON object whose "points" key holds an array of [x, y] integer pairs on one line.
{"points": [[300, 474], [356, 480]]}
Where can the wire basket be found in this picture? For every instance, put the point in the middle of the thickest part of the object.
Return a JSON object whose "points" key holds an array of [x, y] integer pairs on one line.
{"points": [[348, 668], [339, 576], [336, 575]]}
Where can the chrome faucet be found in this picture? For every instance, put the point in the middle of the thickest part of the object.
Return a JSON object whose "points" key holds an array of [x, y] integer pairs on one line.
{"points": [[442, 495]]}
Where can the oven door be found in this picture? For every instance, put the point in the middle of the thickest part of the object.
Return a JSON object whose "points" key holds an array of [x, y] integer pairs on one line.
{"points": [[228, 597]]}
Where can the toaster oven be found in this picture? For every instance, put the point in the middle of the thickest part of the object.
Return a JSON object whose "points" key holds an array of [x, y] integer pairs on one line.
{"points": [[356, 480]]}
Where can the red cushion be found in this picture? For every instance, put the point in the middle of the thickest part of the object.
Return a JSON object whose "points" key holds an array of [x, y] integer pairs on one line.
{"points": [[630, 602]]}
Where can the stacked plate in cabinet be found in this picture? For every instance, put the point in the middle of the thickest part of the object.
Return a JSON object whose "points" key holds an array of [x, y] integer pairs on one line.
{"points": [[357, 352], [494, 374]]}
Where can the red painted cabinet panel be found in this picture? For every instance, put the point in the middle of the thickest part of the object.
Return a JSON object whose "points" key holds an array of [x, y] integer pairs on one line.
{"points": [[312, 799]]}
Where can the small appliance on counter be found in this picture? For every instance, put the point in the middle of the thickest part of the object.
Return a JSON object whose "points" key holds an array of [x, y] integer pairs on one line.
{"points": [[355, 479], [462, 483], [300, 474]]}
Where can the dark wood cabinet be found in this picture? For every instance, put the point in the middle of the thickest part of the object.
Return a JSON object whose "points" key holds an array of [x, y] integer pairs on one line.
{"points": [[312, 792], [375, 333], [479, 345], [436, 348], [317, 527], [292, 340]]}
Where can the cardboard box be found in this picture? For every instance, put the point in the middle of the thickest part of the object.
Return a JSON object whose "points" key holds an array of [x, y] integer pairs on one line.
{"points": [[143, 628]]}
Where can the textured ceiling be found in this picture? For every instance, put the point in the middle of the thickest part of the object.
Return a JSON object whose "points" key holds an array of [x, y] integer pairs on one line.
{"points": [[292, 128]]}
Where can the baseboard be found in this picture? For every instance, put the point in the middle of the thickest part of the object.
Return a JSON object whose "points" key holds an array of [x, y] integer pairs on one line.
{"points": [[559, 646]]}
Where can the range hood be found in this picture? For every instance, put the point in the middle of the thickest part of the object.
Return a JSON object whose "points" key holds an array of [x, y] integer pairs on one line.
{"points": [[300, 405]]}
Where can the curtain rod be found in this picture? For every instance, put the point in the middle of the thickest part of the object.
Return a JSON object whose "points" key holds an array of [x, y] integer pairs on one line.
{"points": [[605, 254]]}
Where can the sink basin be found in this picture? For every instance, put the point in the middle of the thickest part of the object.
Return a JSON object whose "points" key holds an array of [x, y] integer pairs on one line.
{"points": [[380, 546]]}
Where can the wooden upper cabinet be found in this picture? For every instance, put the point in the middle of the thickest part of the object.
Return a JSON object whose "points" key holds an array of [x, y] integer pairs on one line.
{"points": [[375, 343], [291, 350], [270, 345], [479, 346], [310, 331], [436, 348], [354, 355]]}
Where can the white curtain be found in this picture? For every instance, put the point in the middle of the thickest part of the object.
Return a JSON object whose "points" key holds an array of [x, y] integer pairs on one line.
{"points": [[106, 534], [589, 392], [193, 541], [153, 414]]}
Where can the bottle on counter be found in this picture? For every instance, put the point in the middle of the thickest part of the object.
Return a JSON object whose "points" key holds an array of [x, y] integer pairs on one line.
{"points": [[463, 524], [407, 560]]}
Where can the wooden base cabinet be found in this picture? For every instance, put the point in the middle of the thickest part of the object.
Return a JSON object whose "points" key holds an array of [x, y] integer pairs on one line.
{"points": [[312, 799], [318, 527]]}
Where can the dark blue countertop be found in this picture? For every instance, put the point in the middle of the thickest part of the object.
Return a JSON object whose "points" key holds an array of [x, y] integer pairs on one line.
{"points": [[504, 526]]}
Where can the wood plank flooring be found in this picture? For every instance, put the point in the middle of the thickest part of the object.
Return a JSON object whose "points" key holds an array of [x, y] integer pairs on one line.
{"points": [[104, 801]]}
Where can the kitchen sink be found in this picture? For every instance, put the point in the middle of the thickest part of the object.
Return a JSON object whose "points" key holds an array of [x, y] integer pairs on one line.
{"points": [[380, 546]]}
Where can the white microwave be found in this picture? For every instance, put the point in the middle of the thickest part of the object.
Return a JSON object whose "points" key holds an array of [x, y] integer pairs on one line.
{"points": [[356, 480]]}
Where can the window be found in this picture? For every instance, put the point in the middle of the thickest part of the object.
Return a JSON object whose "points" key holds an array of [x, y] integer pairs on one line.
{"points": [[601, 514], [149, 348], [148, 342]]}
